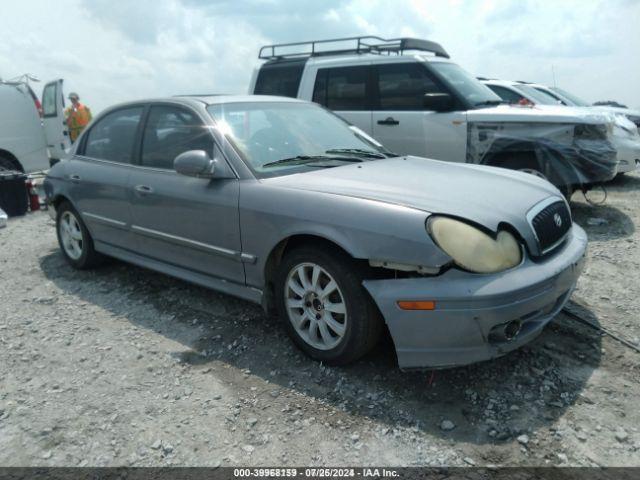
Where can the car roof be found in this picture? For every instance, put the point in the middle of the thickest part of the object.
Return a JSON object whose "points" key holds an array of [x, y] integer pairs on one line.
{"points": [[210, 99], [371, 58], [221, 99]]}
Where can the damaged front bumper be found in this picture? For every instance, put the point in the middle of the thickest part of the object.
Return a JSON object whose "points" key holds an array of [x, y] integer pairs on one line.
{"points": [[473, 310]]}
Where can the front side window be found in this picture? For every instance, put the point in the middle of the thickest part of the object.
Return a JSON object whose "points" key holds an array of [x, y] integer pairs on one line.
{"points": [[170, 131], [112, 137], [266, 132], [402, 86], [343, 88]]}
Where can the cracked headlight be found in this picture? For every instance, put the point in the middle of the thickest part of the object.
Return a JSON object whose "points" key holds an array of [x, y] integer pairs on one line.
{"points": [[472, 249]]}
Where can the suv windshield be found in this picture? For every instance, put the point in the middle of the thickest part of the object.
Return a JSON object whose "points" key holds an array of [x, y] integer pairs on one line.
{"points": [[475, 92], [577, 101], [276, 138]]}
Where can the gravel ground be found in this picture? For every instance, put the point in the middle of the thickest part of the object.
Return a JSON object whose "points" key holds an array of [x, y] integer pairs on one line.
{"points": [[123, 366]]}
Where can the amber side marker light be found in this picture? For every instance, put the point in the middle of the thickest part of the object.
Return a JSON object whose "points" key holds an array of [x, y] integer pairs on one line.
{"points": [[421, 305]]}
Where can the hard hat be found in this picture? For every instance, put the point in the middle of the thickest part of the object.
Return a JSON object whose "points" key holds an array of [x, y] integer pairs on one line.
{"points": [[74, 95]]}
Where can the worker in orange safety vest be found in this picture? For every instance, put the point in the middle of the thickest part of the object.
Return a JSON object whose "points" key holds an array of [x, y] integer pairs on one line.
{"points": [[77, 116]]}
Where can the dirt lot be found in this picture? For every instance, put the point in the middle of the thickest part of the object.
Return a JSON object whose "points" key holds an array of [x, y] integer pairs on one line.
{"points": [[123, 366]]}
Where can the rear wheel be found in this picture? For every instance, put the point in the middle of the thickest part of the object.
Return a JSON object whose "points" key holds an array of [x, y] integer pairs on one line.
{"points": [[74, 238], [325, 309]]}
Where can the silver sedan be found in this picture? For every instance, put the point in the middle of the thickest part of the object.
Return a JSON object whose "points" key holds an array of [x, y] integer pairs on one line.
{"points": [[282, 203]]}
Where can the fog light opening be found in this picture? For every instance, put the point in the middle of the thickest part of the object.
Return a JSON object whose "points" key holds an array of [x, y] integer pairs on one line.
{"points": [[512, 329]]}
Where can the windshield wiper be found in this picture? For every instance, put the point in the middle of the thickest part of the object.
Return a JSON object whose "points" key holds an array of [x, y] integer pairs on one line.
{"points": [[491, 102], [358, 151], [306, 159]]}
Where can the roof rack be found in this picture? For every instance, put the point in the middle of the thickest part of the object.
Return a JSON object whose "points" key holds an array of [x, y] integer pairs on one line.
{"points": [[368, 44]]}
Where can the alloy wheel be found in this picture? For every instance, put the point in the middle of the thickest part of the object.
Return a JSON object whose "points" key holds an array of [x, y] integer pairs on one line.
{"points": [[71, 235], [315, 306]]}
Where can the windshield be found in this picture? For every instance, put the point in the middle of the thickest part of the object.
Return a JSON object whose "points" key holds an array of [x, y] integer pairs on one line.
{"points": [[466, 84], [277, 138], [577, 101], [537, 96]]}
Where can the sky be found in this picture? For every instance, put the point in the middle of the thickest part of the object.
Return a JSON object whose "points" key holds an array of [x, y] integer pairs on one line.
{"points": [[111, 51]]}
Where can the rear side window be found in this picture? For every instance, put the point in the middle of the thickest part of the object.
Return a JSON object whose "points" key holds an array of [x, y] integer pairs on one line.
{"points": [[506, 94], [171, 131], [279, 79], [113, 136], [344, 88], [402, 86]]}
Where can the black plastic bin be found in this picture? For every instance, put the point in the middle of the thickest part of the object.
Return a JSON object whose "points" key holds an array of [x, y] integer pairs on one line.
{"points": [[14, 197]]}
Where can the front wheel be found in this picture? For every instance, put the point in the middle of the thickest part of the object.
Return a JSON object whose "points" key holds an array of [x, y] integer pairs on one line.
{"points": [[325, 309]]}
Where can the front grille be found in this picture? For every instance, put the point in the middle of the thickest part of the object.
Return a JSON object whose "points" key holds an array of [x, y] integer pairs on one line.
{"points": [[551, 224]]}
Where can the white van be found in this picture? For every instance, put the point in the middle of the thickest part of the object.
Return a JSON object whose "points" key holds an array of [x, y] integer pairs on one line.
{"points": [[32, 134]]}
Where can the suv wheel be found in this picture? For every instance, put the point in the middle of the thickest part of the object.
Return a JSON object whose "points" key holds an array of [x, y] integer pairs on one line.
{"points": [[325, 309], [7, 163], [74, 239]]}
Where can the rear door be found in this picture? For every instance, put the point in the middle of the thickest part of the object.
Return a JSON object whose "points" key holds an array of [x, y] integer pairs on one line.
{"points": [[348, 92], [400, 121], [185, 221], [55, 128], [98, 175]]}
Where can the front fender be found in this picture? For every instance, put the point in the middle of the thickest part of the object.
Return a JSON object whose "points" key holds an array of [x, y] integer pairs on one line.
{"points": [[366, 229]]}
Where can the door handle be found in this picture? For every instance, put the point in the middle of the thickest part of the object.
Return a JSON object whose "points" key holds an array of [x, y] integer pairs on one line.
{"points": [[143, 189], [75, 178], [388, 121]]}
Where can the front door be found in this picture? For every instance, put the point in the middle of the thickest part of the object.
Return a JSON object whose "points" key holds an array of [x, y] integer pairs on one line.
{"points": [[55, 127], [189, 222], [400, 121]]}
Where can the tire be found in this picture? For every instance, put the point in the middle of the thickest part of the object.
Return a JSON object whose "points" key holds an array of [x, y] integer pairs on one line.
{"points": [[350, 334], [7, 163], [76, 244]]}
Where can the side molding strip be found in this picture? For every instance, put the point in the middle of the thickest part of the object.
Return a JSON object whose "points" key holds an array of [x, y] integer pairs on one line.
{"points": [[205, 247], [107, 221]]}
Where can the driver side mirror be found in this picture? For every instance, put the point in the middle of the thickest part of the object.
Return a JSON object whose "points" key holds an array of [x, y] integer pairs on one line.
{"points": [[438, 102], [194, 163]]}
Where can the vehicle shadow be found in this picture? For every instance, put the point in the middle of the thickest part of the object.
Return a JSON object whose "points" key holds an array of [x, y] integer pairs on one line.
{"points": [[488, 403], [624, 182], [602, 222]]}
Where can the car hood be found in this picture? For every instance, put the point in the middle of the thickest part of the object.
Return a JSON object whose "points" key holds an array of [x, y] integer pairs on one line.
{"points": [[618, 110], [486, 195], [537, 113]]}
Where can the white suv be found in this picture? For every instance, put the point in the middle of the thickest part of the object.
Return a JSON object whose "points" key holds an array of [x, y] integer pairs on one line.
{"points": [[624, 136], [423, 104]]}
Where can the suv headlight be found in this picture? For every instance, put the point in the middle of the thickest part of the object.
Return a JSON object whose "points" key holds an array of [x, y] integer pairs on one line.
{"points": [[472, 249]]}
